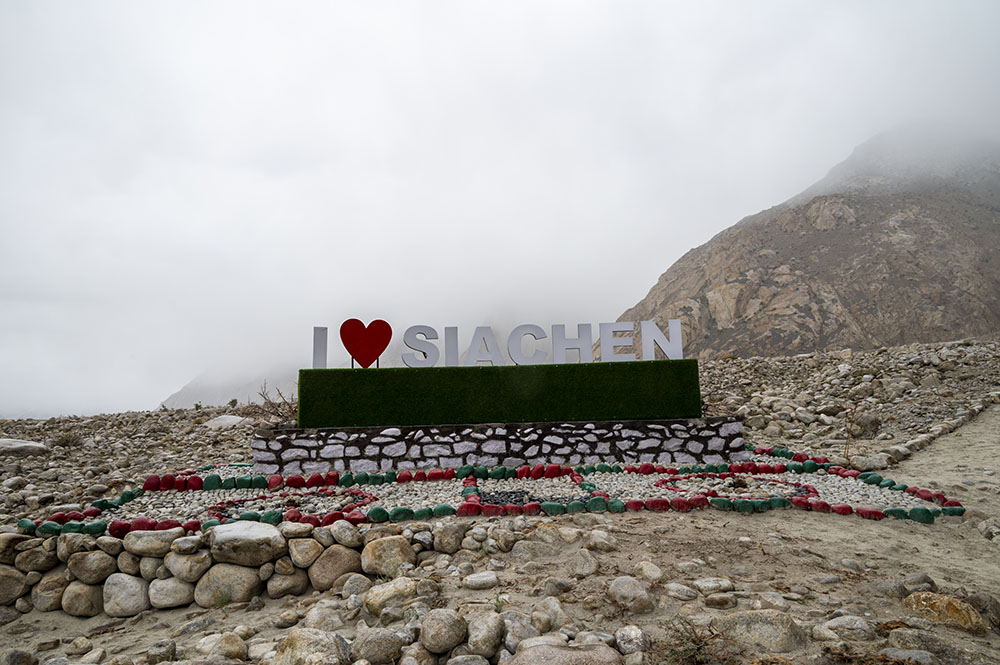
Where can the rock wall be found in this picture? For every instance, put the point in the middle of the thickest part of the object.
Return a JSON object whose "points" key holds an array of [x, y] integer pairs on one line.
{"points": [[703, 441]]}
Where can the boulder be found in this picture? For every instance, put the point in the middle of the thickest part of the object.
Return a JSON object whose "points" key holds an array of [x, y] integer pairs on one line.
{"points": [[301, 643], [379, 646], [188, 567], [226, 583], [21, 448], [486, 633], [38, 559], [246, 543], [346, 534], [304, 551], [68, 544], [946, 610], [47, 595], [226, 645], [151, 543], [288, 585], [630, 594], [769, 631], [83, 600], [92, 567], [331, 564], [390, 594], [448, 537], [442, 630], [8, 543], [13, 584], [125, 595], [851, 627], [631, 639], [553, 654], [171, 592], [384, 556]]}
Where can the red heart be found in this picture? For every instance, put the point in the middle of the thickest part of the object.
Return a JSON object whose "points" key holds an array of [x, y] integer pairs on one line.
{"points": [[365, 343]]}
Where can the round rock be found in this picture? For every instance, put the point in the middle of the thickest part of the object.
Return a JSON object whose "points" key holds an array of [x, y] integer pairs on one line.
{"points": [[442, 630], [171, 592], [125, 595], [226, 583], [246, 543], [331, 564]]}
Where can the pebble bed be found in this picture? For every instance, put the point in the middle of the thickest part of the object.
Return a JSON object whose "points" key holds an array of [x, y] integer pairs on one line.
{"points": [[771, 479]]}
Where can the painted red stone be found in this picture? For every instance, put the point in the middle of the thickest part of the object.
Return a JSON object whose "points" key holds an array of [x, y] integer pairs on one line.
{"points": [[947, 504], [672, 470], [75, 515], [926, 495], [465, 509], [473, 498], [295, 480], [735, 468], [819, 506], [553, 471], [92, 512], [531, 508], [292, 515], [629, 469], [152, 483], [274, 481], [195, 483], [748, 467], [765, 468], [192, 525], [310, 519], [634, 505], [511, 509], [659, 468], [330, 518], [658, 505], [331, 478], [118, 528], [491, 509], [647, 469], [600, 493], [841, 509], [523, 472], [58, 518], [576, 478], [800, 502], [869, 513], [315, 480], [852, 473], [537, 471], [404, 477], [780, 468], [939, 498], [356, 517], [180, 483], [449, 474], [678, 504], [167, 481], [821, 460], [143, 523], [435, 475], [167, 524], [696, 501], [911, 489], [420, 476], [365, 343], [760, 451], [349, 507]]}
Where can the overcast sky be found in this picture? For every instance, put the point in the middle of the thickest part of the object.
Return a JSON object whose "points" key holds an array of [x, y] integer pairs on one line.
{"points": [[185, 186]]}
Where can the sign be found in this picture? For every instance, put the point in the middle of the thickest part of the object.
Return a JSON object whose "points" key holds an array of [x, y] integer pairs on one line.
{"points": [[367, 343]]}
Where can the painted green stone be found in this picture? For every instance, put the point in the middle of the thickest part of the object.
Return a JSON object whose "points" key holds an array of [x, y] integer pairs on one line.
{"points": [[440, 510], [936, 512], [899, 487], [212, 482], [401, 514], [617, 468], [697, 469], [887, 482], [362, 478], [498, 473], [897, 513], [378, 514], [553, 508], [250, 516], [684, 469], [346, 480], [603, 468], [258, 483], [873, 479], [390, 476], [576, 507], [95, 528], [464, 471], [481, 472], [597, 504], [466, 491], [864, 475], [271, 517], [511, 473], [207, 467], [582, 470], [26, 525], [72, 527], [922, 515], [137, 492], [947, 510], [103, 504], [243, 482], [229, 483], [779, 503], [720, 503], [586, 486], [127, 495], [48, 529], [616, 506], [423, 513], [208, 524], [589, 469], [809, 466], [743, 506], [761, 505], [375, 479], [794, 467]]}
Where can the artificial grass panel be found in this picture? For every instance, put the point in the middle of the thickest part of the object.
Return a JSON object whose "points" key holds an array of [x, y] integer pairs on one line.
{"points": [[642, 390]]}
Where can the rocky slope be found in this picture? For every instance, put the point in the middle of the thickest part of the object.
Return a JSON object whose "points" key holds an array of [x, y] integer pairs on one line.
{"points": [[896, 245]]}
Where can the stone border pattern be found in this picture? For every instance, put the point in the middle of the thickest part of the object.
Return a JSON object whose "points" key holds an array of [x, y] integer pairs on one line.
{"points": [[698, 441]]}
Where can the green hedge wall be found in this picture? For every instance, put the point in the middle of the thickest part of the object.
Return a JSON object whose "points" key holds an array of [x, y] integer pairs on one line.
{"points": [[642, 390]]}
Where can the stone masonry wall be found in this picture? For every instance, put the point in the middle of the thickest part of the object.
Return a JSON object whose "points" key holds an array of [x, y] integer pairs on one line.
{"points": [[299, 451]]}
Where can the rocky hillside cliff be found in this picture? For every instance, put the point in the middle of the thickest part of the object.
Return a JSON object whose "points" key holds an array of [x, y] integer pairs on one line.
{"points": [[898, 244]]}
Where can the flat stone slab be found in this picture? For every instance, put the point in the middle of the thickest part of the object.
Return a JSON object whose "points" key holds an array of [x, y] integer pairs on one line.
{"points": [[21, 448]]}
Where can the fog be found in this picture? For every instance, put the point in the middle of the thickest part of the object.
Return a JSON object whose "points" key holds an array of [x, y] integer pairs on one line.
{"points": [[188, 189]]}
